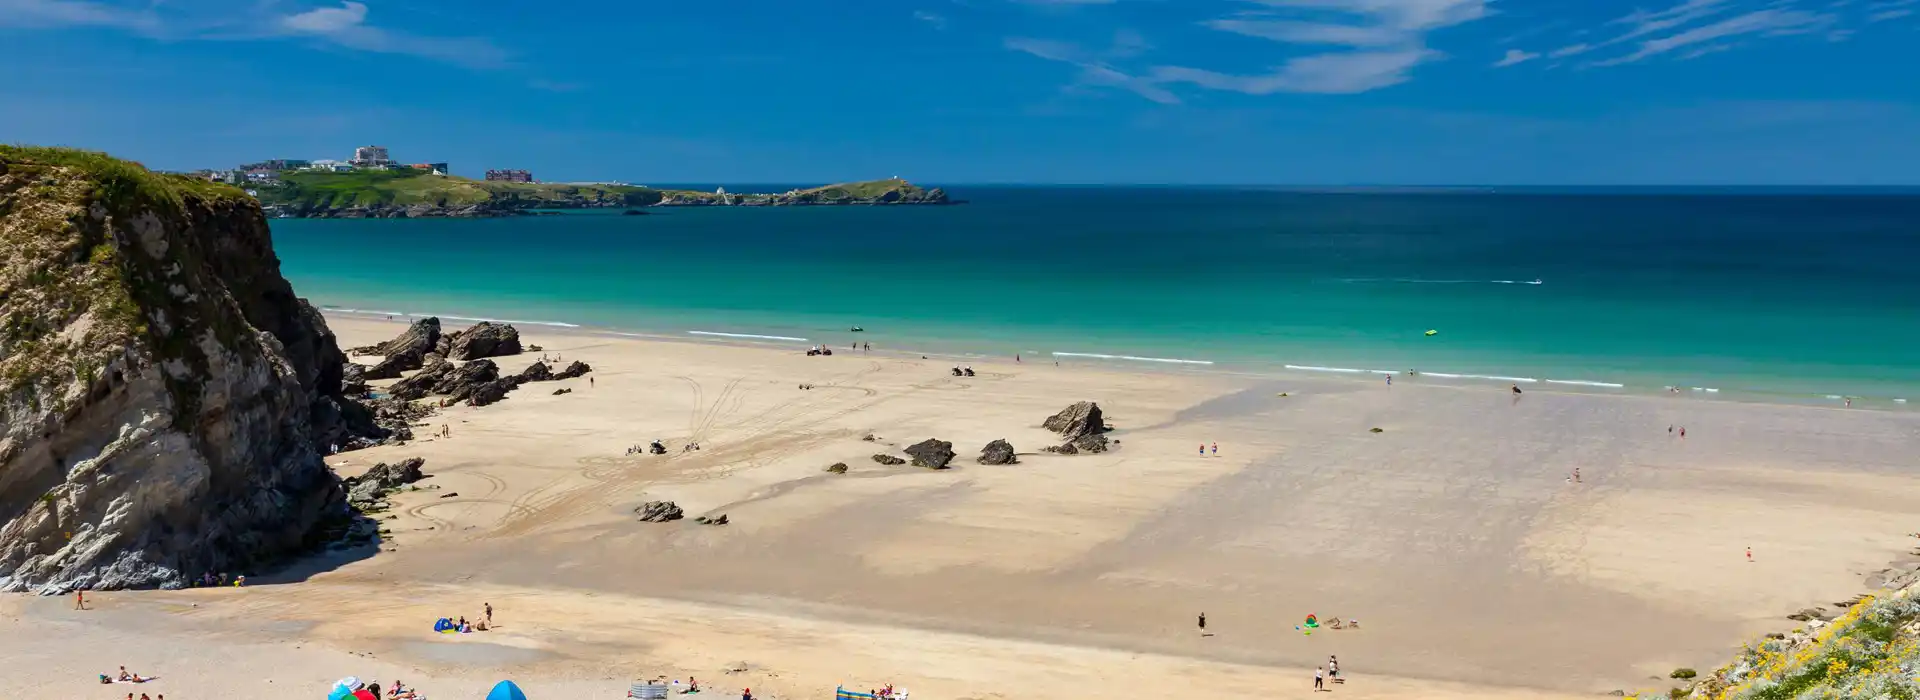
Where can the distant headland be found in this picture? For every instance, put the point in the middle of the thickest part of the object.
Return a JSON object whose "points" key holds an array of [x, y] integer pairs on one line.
{"points": [[372, 185]]}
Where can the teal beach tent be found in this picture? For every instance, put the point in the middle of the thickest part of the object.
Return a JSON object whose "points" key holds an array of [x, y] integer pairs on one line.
{"points": [[506, 690]]}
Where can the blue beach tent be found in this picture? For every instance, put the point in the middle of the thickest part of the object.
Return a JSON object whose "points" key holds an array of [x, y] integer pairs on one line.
{"points": [[506, 690]]}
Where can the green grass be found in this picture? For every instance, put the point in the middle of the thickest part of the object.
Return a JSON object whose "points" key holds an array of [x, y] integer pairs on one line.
{"points": [[870, 189], [365, 188], [120, 182]]}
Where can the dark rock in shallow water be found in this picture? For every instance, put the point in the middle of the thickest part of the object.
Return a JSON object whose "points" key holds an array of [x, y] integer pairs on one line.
{"points": [[1081, 419], [998, 452], [931, 453], [659, 512], [889, 460], [484, 339]]}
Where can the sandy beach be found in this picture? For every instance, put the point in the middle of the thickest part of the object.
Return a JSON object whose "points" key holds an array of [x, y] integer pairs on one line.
{"points": [[1454, 534]]}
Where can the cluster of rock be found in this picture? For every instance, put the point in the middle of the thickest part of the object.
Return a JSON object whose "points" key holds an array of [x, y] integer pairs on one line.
{"points": [[889, 460], [165, 398], [659, 512], [1082, 427], [476, 380], [372, 487]]}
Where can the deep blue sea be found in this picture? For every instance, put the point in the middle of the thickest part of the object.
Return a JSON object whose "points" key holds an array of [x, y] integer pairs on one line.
{"points": [[1775, 293]]}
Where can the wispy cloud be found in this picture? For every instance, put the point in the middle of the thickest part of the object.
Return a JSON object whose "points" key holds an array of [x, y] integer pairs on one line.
{"points": [[1385, 39], [938, 21], [1514, 57], [1095, 67], [42, 14], [1769, 22], [344, 26], [1569, 50], [1329, 73]]}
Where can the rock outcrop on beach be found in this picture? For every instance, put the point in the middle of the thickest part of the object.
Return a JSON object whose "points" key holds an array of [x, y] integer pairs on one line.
{"points": [[166, 397], [659, 512], [395, 365], [930, 453], [374, 485], [420, 337], [478, 381], [353, 380], [483, 339], [1076, 421], [889, 460], [998, 452], [574, 369], [536, 372]]}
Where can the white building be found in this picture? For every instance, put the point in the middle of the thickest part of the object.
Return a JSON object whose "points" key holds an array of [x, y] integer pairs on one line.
{"points": [[371, 157], [329, 165]]}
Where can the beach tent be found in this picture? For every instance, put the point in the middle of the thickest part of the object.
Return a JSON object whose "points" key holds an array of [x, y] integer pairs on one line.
{"points": [[444, 625], [506, 690], [343, 688], [844, 694]]}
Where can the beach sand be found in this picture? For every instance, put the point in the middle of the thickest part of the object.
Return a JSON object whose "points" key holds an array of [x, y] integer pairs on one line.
{"points": [[1453, 534]]}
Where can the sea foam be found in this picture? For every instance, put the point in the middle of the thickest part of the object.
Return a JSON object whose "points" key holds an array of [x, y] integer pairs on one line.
{"points": [[718, 334], [1133, 358]]}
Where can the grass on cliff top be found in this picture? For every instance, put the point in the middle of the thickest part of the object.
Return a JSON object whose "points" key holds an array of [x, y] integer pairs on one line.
{"points": [[870, 189], [358, 188], [120, 182]]}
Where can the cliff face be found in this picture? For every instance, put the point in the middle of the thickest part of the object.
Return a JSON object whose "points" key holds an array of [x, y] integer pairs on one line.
{"points": [[164, 397]]}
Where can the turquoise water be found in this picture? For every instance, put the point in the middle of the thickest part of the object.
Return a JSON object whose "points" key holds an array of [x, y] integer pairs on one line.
{"points": [[1803, 295]]}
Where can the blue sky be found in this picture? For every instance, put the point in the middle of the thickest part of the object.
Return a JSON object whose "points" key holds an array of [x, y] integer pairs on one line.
{"points": [[958, 91]]}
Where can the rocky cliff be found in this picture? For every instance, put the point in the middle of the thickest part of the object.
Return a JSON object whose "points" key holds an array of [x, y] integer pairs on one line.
{"points": [[165, 399]]}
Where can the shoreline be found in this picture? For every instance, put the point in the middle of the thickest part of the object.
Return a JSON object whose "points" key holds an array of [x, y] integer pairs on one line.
{"points": [[1227, 368]]}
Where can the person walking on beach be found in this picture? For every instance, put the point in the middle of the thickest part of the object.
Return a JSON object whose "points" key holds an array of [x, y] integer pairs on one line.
{"points": [[1203, 624], [1333, 668], [1749, 555], [489, 610], [1216, 449], [1319, 679], [1203, 449], [1389, 381], [1683, 432], [80, 600], [1576, 475]]}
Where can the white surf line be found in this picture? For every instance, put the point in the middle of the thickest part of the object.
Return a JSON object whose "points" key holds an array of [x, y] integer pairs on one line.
{"points": [[1587, 382], [1100, 356], [718, 334], [1338, 370]]}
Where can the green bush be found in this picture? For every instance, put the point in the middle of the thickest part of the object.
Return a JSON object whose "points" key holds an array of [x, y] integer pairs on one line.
{"points": [[1684, 674]]}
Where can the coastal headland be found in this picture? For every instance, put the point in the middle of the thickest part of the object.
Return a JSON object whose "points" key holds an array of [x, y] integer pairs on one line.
{"points": [[418, 194]]}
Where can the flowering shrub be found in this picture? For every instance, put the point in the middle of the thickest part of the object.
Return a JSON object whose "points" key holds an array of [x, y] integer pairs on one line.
{"points": [[1872, 651]]}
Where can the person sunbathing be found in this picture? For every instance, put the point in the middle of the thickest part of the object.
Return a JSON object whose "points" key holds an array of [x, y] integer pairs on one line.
{"points": [[126, 677]]}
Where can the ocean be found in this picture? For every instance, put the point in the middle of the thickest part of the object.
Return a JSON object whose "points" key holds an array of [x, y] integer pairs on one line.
{"points": [[1804, 296]]}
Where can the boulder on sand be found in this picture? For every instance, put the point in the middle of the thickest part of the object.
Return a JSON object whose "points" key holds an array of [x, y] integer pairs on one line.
{"points": [[931, 453], [1078, 420], [574, 369], [889, 460], [390, 366], [399, 473], [1090, 444], [491, 392], [420, 338], [659, 512], [484, 339], [537, 372], [998, 452]]}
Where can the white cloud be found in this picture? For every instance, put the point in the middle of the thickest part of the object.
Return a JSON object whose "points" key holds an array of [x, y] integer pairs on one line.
{"points": [[1769, 22], [1094, 67], [40, 14], [1885, 15], [346, 26], [1514, 57], [1688, 11], [1569, 50], [938, 21], [1328, 73], [1312, 32]]}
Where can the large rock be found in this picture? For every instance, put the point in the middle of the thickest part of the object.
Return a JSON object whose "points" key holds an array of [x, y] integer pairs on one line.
{"points": [[391, 366], [398, 474], [1076, 421], [536, 372], [419, 339], [659, 512], [353, 380], [484, 339], [1090, 444], [574, 369], [930, 453], [491, 392], [164, 396], [998, 452]]}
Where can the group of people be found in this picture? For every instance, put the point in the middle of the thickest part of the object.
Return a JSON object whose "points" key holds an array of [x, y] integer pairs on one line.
{"points": [[958, 372], [210, 580], [655, 448], [371, 691], [125, 676], [1329, 672]]}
